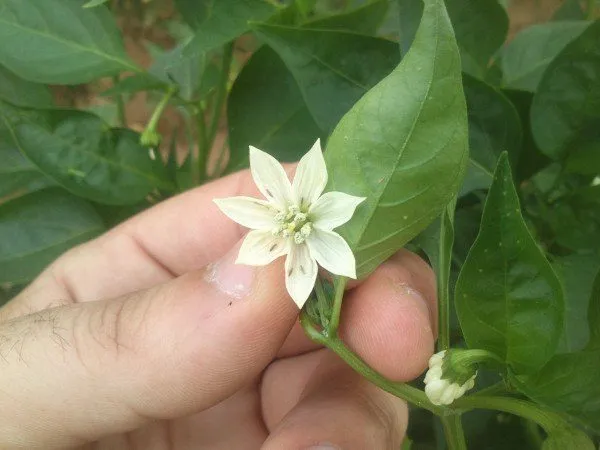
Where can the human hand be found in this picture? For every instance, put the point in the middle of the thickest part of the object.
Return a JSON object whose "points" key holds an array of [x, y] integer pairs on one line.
{"points": [[151, 337]]}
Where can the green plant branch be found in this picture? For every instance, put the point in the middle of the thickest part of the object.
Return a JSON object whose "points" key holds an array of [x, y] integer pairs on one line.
{"points": [[443, 277], [334, 322], [120, 105], [221, 95], [202, 154], [149, 135], [453, 430], [522, 408], [401, 390]]}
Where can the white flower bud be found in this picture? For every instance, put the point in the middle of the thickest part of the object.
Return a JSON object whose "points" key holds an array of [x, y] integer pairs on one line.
{"points": [[439, 389]]}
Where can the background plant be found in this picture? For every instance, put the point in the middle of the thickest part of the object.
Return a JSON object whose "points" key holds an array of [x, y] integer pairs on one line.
{"points": [[479, 150]]}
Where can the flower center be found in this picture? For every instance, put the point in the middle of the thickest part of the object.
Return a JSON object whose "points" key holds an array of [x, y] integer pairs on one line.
{"points": [[292, 223]]}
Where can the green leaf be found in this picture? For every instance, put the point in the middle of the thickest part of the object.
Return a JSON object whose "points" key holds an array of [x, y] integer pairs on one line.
{"points": [[136, 83], [18, 175], [172, 67], [266, 109], [94, 3], [365, 19], [403, 145], [577, 272], [480, 28], [38, 227], [86, 157], [332, 68], [24, 93], [508, 299], [59, 42], [568, 438], [494, 127], [569, 10], [567, 99], [594, 313], [221, 21], [527, 56]]}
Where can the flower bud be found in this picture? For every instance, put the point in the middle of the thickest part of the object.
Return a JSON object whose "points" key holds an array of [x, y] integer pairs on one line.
{"points": [[445, 384]]}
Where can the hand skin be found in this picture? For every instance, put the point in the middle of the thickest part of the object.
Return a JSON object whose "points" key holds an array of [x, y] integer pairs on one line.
{"points": [[149, 337]]}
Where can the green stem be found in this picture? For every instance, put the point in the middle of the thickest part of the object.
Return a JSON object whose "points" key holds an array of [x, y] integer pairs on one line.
{"points": [[523, 408], [321, 301], [158, 111], [443, 275], [221, 95], [533, 433], [453, 430], [202, 156], [334, 322], [120, 105], [591, 7], [401, 390], [494, 389]]}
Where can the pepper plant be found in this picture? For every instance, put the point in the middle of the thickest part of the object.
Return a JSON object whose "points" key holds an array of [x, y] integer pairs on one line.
{"points": [[478, 151]]}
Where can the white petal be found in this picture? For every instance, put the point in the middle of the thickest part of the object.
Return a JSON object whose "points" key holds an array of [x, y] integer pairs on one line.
{"points": [[300, 273], [450, 394], [332, 252], [249, 212], [270, 178], [260, 248], [333, 209], [311, 176], [435, 373], [437, 359], [435, 390]]}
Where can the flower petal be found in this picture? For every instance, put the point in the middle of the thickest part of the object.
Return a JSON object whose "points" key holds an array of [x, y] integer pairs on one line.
{"points": [[300, 273], [332, 252], [311, 176], [270, 178], [261, 248], [249, 212], [333, 209]]}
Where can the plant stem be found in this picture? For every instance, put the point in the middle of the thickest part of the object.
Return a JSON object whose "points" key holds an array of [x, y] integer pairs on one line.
{"points": [[334, 322], [453, 430], [401, 390], [494, 389], [202, 156], [443, 278], [221, 95], [120, 105], [160, 108], [591, 6], [523, 408]]}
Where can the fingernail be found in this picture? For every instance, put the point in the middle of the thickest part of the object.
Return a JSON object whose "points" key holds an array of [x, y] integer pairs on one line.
{"points": [[324, 446], [418, 298], [234, 280]]}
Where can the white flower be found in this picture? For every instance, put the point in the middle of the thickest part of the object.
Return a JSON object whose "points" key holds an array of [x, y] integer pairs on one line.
{"points": [[442, 391], [296, 220]]}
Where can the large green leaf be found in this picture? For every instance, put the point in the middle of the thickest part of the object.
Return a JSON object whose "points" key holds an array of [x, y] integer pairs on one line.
{"points": [[38, 227], [18, 175], [528, 55], [494, 127], [266, 109], [568, 438], [364, 19], [577, 272], [332, 68], [508, 299], [24, 93], [567, 101], [220, 21], [59, 42], [403, 145], [480, 28], [85, 156]]}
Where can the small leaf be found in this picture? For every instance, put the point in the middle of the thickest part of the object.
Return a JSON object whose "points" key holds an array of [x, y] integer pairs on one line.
{"points": [[38, 227], [508, 299], [86, 157], [60, 42], [403, 145], [266, 109], [24, 93], [332, 68], [567, 99], [527, 56], [136, 83]]}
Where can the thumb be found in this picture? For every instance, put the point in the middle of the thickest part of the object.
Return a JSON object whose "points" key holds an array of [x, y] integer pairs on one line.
{"points": [[163, 353]]}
